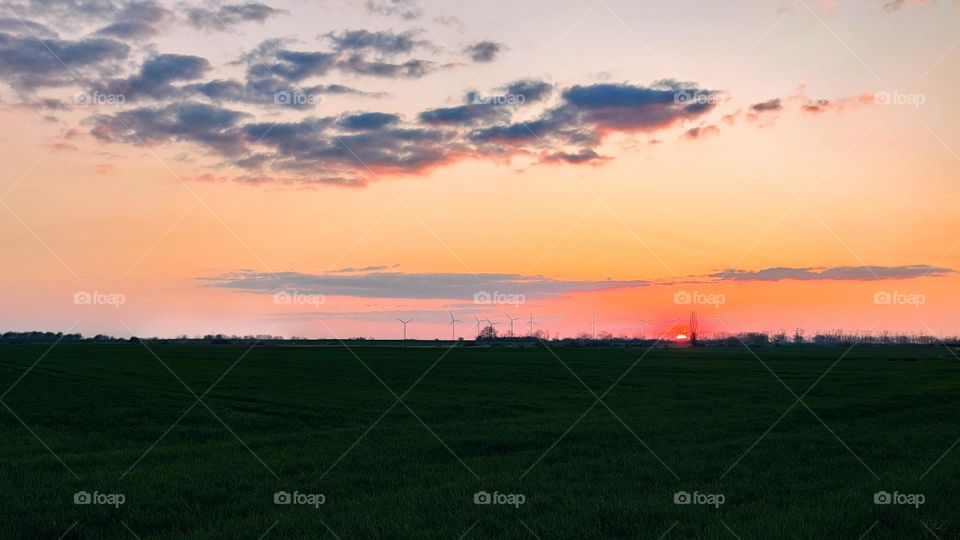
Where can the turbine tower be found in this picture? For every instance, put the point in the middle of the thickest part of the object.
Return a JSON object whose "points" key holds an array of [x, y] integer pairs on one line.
{"points": [[643, 326], [531, 324], [453, 323], [511, 322], [405, 323]]}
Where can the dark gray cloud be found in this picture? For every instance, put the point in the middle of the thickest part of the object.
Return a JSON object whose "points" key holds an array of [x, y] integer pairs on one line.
{"points": [[314, 145], [28, 63], [483, 108], [229, 15], [354, 148], [587, 155], [405, 9], [521, 132], [385, 42], [625, 107], [157, 75], [213, 127], [859, 273], [532, 90], [367, 121], [138, 20], [484, 51], [766, 106], [441, 286], [465, 115], [272, 92], [411, 69], [272, 60]]}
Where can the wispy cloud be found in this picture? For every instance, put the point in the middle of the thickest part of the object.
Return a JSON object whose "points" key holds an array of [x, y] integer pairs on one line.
{"points": [[446, 286], [376, 282], [859, 273]]}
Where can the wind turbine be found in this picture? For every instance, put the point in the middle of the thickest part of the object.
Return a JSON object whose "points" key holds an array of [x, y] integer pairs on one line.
{"points": [[594, 323], [478, 323], [643, 326], [405, 323], [511, 322], [531, 324], [453, 323], [492, 324]]}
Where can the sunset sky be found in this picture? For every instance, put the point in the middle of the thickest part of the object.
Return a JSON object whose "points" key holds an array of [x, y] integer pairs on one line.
{"points": [[320, 168]]}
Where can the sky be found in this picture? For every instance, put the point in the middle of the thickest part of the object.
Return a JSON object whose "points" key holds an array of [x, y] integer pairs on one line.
{"points": [[321, 168]]}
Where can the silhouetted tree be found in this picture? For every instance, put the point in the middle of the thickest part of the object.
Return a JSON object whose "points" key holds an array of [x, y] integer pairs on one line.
{"points": [[694, 329]]}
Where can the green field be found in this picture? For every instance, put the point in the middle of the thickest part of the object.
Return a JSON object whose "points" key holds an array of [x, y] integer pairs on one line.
{"points": [[512, 421]]}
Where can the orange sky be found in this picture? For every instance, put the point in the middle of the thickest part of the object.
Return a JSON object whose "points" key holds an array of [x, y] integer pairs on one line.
{"points": [[852, 182]]}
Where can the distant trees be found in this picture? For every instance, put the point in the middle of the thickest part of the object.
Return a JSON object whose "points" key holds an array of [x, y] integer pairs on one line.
{"points": [[38, 337], [488, 332], [542, 335]]}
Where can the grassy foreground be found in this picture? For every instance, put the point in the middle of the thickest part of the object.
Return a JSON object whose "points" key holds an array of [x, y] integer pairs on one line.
{"points": [[717, 424]]}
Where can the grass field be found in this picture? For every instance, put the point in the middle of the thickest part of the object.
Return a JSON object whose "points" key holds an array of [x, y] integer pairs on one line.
{"points": [[512, 421]]}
